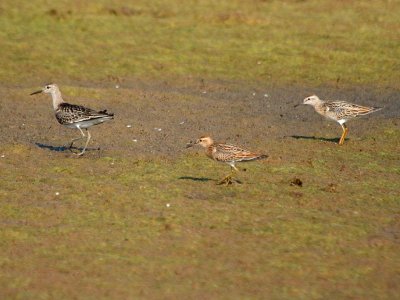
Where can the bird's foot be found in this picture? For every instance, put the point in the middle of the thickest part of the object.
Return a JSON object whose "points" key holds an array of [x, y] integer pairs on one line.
{"points": [[69, 147], [228, 180], [80, 153]]}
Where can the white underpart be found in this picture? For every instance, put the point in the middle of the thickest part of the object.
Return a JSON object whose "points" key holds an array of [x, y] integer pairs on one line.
{"points": [[87, 124], [341, 121]]}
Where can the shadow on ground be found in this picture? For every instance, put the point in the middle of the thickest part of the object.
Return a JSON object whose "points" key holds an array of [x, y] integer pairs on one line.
{"points": [[202, 179], [64, 148], [315, 138], [52, 148]]}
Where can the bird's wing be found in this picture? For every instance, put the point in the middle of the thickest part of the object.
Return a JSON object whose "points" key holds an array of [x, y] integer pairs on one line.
{"points": [[348, 110], [226, 152], [71, 113]]}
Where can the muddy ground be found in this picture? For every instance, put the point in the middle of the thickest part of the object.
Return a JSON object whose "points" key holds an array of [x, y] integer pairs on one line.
{"points": [[159, 118]]}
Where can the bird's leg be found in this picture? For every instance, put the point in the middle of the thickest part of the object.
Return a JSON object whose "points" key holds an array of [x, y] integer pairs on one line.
{"points": [[237, 170], [345, 131], [76, 139], [228, 179], [87, 142]]}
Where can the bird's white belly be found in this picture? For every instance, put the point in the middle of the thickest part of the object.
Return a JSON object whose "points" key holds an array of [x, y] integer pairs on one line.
{"points": [[85, 124]]}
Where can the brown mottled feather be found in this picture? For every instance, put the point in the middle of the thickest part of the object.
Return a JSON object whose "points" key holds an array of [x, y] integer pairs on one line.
{"points": [[343, 110], [69, 113], [231, 153]]}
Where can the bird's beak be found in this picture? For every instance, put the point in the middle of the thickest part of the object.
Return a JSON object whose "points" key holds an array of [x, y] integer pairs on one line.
{"points": [[190, 144], [37, 92], [298, 104]]}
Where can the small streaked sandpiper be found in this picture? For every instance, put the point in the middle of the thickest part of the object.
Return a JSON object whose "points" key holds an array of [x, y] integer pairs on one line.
{"points": [[339, 111], [74, 116], [226, 153]]}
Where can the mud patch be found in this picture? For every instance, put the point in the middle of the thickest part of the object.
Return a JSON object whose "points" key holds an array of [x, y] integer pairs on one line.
{"points": [[160, 118]]}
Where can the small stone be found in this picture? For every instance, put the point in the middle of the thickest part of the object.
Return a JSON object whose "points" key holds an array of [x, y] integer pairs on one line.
{"points": [[57, 193], [128, 126], [117, 86], [168, 205]]}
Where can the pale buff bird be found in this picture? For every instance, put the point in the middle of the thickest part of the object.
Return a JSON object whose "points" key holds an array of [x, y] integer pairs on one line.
{"points": [[226, 153], [339, 111]]}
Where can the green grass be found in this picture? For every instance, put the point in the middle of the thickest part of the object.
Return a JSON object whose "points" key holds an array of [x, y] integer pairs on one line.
{"points": [[305, 42], [110, 227], [119, 225]]}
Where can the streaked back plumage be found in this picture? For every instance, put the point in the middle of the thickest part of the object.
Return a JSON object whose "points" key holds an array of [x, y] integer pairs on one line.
{"points": [[338, 110], [231, 153], [67, 114], [227, 153]]}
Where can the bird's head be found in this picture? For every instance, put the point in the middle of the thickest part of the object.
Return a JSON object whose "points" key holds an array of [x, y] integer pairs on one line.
{"points": [[311, 100], [204, 141], [48, 89]]}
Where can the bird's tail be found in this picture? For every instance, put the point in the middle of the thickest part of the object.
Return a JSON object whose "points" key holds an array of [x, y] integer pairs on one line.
{"points": [[253, 156], [263, 156], [367, 110], [105, 113], [377, 108]]}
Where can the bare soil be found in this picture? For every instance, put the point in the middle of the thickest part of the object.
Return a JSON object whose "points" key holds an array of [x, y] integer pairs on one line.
{"points": [[159, 118]]}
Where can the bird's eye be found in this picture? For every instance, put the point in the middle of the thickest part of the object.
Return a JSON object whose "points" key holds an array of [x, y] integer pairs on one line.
{"points": [[47, 87]]}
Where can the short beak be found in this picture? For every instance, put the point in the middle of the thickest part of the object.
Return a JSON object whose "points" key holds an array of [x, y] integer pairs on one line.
{"points": [[37, 92], [191, 144]]}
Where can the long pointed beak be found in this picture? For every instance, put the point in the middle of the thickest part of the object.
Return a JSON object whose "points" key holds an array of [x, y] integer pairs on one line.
{"points": [[298, 104], [37, 92]]}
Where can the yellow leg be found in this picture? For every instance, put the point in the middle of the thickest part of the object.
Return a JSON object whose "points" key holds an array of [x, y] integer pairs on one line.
{"points": [[344, 134], [228, 179], [341, 141]]}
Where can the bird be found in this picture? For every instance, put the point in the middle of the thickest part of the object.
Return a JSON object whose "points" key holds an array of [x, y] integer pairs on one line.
{"points": [[74, 116], [339, 111], [226, 153]]}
